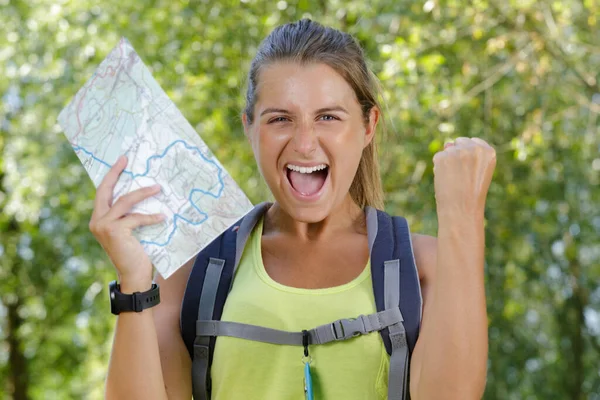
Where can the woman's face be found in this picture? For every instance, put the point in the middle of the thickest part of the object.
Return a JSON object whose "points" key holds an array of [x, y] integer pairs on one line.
{"points": [[308, 135]]}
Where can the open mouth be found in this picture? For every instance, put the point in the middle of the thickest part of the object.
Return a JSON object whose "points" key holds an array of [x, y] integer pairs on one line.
{"points": [[307, 181]]}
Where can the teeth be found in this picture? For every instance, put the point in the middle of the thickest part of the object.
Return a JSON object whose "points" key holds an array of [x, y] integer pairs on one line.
{"points": [[306, 170]]}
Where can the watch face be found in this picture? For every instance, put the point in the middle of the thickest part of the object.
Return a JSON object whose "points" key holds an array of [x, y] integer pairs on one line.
{"points": [[111, 292]]}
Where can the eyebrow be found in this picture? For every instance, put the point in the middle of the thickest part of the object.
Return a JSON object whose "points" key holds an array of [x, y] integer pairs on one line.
{"points": [[319, 111], [334, 108], [274, 111]]}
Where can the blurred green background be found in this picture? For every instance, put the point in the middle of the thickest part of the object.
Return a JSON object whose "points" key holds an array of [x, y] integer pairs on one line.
{"points": [[522, 74]]}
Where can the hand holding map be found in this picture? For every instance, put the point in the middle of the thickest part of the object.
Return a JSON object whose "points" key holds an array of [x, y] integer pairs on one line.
{"points": [[113, 225], [122, 110]]}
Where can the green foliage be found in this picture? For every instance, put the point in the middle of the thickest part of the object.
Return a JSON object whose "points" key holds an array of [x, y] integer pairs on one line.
{"points": [[521, 74]]}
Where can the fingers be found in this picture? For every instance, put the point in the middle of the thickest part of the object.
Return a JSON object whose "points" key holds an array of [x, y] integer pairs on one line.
{"points": [[481, 142], [461, 143], [126, 202], [114, 233], [104, 193], [467, 142], [115, 218], [489, 149], [136, 220], [470, 141]]}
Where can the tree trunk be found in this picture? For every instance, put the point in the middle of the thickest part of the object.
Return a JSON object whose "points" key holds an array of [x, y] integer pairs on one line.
{"points": [[577, 304], [571, 325], [18, 377]]}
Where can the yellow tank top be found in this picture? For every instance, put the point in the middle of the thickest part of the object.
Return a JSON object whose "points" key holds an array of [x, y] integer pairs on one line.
{"points": [[242, 369]]}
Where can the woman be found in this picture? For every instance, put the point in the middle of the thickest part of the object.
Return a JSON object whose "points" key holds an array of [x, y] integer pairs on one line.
{"points": [[311, 117]]}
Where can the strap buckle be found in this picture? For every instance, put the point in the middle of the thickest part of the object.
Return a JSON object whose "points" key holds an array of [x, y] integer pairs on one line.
{"points": [[136, 302], [343, 329], [201, 352]]}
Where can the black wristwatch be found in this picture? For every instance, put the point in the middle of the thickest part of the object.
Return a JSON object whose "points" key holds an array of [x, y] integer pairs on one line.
{"points": [[137, 301]]}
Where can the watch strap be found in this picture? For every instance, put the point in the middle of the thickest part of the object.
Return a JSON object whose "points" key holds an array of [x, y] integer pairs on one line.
{"points": [[137, 301]]}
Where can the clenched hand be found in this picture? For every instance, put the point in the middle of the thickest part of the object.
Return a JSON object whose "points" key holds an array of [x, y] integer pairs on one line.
{"points": [[462, 175]]}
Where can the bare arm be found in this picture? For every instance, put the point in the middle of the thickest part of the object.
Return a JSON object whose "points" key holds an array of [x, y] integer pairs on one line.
{"points": [[449, 359], [174, 356], [149, 359]]}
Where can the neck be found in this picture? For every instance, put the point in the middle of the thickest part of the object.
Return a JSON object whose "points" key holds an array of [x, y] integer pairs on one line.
{"points": [[346, 217]]}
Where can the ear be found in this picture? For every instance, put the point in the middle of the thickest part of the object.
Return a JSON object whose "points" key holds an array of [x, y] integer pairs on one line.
{"points": [[371, 127], [246, 125]]}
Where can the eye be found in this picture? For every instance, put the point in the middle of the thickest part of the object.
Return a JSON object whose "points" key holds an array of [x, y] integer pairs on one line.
{"points": [[278, 119], [328, 117]]}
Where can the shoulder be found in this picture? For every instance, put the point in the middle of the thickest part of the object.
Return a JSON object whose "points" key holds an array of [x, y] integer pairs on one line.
{"points": [[425, 251]]}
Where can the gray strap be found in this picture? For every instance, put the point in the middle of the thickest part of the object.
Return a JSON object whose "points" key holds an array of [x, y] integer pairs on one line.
{"points": [[391, 283], [342, 329], [208, 297], [200, 371], [210, 287], [244, 231], [246, 331], [372, 227], [397, 380]]}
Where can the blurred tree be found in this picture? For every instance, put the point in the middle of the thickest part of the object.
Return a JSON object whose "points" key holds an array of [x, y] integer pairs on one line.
{"points": [[521, 74]]}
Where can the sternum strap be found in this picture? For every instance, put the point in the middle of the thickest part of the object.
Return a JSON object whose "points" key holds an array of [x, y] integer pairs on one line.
{"points": [[338, 330]]}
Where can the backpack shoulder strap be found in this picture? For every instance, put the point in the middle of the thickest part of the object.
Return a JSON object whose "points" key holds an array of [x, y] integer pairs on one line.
{"points": [[228, 246], [390, 239], [208, 285], [411, 300], [195, 284], [395, 284]]}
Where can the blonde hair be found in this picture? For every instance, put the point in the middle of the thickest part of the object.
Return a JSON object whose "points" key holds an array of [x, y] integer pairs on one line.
{"points": [[307, 42]]}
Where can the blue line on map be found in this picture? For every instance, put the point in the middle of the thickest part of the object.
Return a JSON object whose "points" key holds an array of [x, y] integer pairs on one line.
{"points": [[176, 216], [107, 165]]}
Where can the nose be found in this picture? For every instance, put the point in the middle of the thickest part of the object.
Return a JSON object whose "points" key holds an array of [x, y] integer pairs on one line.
{"points": [[305, 140]]}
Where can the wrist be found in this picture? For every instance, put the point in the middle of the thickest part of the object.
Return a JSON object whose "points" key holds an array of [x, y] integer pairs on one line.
{"points": [[132, 298], [460, 225], [459, 214]]}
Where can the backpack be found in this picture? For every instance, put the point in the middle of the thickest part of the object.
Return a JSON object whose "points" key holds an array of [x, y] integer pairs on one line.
{"points": [[395, 285]]}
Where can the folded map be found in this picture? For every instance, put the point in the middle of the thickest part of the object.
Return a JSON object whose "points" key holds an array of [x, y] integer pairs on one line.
{"points": [[123, 110]]}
